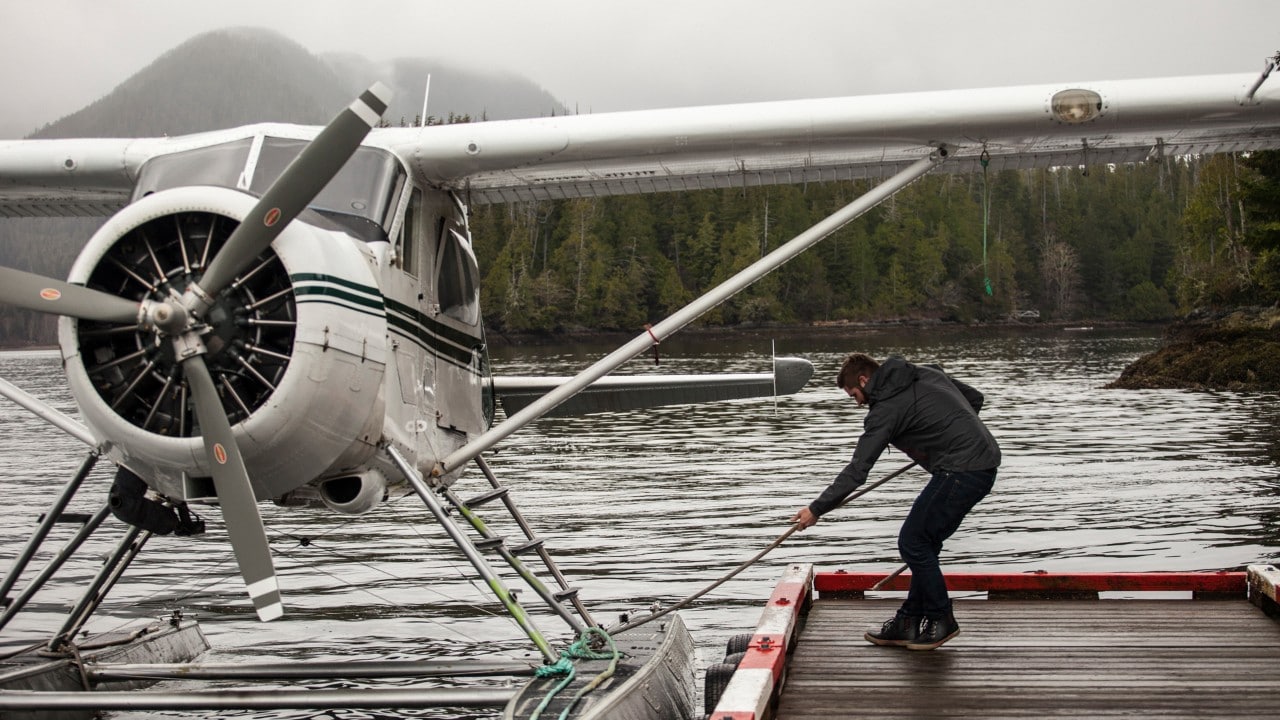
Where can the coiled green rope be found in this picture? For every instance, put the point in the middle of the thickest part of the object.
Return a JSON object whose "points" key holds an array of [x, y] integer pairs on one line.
{"points": [[579, 650]]}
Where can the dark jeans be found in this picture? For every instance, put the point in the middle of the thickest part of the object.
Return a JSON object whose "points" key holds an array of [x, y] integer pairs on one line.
{"points": [[936, 514]]}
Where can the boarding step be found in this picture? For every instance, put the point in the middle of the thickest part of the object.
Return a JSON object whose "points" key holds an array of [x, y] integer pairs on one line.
{"points": [[510, 547], [566, 594], [68, 518], [494, 494], [525, 548]]}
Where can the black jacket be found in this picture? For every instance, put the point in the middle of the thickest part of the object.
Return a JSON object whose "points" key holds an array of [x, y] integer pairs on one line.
{"points": [[929, 416]]}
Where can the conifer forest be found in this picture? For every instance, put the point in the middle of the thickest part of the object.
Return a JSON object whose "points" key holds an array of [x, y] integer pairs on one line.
{"points": [[1143, 242]]}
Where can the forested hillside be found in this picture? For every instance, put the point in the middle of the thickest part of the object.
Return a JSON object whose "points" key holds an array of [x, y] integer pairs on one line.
{"points": [[1128, 243], [1138, 242]]}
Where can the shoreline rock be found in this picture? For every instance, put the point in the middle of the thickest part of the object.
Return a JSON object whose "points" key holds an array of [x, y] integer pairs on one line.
{"points": [[1236, 349]]}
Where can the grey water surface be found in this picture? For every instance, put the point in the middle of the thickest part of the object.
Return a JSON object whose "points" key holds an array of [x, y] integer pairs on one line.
{"points": [[651, 506]]}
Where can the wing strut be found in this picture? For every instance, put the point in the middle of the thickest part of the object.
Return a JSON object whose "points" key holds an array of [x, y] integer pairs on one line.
{"points": [[692, 311]]}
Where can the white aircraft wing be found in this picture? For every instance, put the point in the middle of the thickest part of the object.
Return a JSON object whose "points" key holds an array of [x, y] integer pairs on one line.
{"points": [[1067, 124], [1064, 124]]}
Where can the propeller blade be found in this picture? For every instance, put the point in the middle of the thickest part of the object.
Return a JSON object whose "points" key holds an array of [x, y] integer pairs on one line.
{"points": [[43, 294], [235, 495], [296, 187]]}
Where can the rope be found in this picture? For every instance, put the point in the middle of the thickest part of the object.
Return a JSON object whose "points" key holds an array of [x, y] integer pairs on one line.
{"points": [[794, 527], [985, 159], [579, 650]]}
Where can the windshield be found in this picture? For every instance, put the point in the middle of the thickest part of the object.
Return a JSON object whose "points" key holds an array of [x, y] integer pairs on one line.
{"points": [[367, 186], [220, 165]]}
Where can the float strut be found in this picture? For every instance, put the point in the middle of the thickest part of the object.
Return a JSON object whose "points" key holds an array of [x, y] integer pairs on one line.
{"points": [[495, 584], [653, 335], [51, 517]]}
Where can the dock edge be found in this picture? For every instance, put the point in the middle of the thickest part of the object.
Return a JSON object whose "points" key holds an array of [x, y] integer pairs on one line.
{"points": [[1262, 583], [758, 681]]}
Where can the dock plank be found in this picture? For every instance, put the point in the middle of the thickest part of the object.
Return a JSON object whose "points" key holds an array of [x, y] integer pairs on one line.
{"points": [[1093, 658]]}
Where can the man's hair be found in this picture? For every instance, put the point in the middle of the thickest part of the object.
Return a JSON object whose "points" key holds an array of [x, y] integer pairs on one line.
{"points": [[855, 365]]}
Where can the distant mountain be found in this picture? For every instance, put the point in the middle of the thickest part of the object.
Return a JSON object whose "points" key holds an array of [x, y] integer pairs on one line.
{"points": [[455, 90], [238, 76]]}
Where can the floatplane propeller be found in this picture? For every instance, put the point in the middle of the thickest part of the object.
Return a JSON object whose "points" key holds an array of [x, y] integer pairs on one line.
{"points": [[177, 316]]}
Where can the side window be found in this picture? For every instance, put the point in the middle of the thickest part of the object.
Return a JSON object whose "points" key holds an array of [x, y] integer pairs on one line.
{"points": [[457, 281], [407, 247]]}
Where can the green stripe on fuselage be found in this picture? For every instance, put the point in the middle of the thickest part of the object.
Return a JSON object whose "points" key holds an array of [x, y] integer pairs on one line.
{"points": [[453, 346]]}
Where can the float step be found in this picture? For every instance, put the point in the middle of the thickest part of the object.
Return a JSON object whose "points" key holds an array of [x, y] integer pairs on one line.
{"points": [[494, 494], [533, 545]]}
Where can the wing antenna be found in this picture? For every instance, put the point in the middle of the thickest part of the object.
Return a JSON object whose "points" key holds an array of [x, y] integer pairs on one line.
{"points": [[426, 93]]}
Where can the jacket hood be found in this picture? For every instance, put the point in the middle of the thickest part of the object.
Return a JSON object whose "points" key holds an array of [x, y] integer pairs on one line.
{"points": [[894, 376]]}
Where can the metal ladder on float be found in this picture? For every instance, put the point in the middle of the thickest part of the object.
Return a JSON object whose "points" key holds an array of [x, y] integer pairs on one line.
{"points": [[559, 601]]}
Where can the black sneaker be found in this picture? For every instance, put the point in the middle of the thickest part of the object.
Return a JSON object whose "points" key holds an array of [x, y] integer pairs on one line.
{"points": [[899, 631], [934, 632]]}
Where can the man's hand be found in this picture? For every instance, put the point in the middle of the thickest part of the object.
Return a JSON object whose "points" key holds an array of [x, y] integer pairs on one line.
{"points": [[804, 518]]}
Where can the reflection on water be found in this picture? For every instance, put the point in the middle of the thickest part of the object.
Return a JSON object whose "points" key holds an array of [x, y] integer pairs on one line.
{"points": [[652, 506]]}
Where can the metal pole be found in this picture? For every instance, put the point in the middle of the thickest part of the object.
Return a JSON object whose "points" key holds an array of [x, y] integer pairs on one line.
{"points": [[1267, 68], [889, 578], [45, 412], [121, 563], [46, 524], [690, 312], [72, 545], [257, 699], [302, 670], [493, 581], [90, 599]]}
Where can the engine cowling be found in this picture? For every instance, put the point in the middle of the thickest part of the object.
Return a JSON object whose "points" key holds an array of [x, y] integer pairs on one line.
{"points": [[296, 346]]}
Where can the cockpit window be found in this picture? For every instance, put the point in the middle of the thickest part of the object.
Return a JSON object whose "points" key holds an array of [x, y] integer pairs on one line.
{"points": [[219, 165], [457, 284], [368, 186]]}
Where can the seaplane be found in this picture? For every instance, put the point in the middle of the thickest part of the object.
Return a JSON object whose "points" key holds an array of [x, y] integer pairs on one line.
{"points": [[287, 313]]}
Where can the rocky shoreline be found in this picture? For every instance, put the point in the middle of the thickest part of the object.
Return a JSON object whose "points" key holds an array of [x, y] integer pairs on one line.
{"points": [[1236, 349]]}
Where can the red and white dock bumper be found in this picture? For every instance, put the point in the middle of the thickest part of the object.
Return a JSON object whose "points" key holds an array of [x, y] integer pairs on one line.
{"points": [[759, 677]]}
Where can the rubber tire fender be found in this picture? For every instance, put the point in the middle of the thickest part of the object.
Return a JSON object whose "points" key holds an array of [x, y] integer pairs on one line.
{"points": [[738, 643], [717, 680]]}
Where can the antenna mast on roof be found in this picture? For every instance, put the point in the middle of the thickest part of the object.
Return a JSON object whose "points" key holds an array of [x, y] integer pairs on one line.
{"points": [[426, 94]]}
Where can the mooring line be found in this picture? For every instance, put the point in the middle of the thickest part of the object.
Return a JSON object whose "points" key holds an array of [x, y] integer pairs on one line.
{"points": [[781, 538]]}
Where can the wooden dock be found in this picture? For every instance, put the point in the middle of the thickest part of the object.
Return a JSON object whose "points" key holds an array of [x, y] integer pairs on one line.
{"points": [[1021, 658]]}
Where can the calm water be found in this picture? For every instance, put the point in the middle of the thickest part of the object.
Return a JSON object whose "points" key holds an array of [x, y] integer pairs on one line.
{"points": [[653, 506]]}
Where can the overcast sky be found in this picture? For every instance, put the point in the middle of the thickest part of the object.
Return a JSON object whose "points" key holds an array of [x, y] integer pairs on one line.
{"points": [[599, 55]]}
